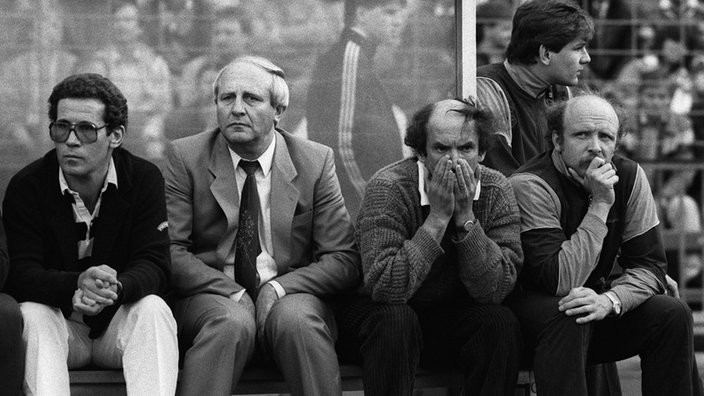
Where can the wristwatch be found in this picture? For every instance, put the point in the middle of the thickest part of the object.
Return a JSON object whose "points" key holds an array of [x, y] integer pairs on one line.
{"points": [[468, 225], [615, 302]]}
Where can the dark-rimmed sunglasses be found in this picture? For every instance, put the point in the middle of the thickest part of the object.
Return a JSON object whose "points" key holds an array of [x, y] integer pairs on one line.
{"points": [[86, 132]]}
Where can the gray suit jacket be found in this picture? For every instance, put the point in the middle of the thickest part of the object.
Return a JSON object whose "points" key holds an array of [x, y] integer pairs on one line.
{"points": [[312, 231]]}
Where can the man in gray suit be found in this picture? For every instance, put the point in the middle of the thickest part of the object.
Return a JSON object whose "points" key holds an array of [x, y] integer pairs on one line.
{"points": [[260, 238]]}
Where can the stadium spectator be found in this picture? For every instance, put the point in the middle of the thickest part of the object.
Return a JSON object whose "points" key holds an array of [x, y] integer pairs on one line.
{"points": [[27, 80], [141, 74], [348, 108]]}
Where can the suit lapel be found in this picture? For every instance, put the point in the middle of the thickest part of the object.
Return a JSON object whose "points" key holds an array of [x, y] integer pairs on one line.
{"points": [[224, 189], [284, 197]]}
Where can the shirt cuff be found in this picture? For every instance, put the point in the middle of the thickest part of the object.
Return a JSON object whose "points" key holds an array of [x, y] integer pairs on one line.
{"points": [[237, 296], [280, 292]]}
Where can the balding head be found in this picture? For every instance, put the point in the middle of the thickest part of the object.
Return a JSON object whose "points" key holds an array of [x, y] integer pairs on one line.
{"points": [[588, 106], [586, 128]]}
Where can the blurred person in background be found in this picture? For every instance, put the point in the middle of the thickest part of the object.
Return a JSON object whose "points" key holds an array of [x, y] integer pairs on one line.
{"points": [[421, 69], [294, 33], [493, 31], [141, 74], [27, 80], [662, 135], [669, 57], [613, 33], [348, 108], [229, 38]]}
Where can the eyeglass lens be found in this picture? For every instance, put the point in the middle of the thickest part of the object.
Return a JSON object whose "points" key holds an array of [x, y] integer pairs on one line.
{"points": [[85, 132]]}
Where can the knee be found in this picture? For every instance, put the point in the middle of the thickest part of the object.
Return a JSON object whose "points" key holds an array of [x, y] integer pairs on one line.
{"points": [[387, 319], [231, 324], [290, 313], [299, 317], [152, 308], [500, 323], [36, 315], [673, 312]]}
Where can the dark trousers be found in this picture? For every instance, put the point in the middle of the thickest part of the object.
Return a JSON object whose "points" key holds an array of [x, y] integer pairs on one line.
{"points": [[393, 340], [659, 331], [11, 347]]}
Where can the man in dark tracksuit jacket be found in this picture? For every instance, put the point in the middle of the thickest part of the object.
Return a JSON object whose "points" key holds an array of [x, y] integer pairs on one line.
{"points": [[348, 107], [583, 210]]}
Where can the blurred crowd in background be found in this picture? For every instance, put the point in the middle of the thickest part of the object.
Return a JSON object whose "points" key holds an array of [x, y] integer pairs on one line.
{"points": [[647, 56]]}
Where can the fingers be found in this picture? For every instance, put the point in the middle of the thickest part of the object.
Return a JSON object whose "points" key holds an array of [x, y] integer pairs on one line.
{"points": [[104, 273], [107, 298], [466, 183], [85, 305], [579, 179], [672, 287]]}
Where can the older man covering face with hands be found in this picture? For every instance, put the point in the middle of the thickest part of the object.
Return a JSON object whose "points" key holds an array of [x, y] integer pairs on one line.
{"points": [[439, 236]]}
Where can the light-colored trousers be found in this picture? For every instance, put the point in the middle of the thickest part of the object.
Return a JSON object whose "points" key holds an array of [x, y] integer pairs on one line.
{"points": [[141, 339]]}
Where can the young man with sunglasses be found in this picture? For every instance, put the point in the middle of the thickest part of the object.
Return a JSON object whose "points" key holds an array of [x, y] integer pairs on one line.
{"points": [[89, 249]]}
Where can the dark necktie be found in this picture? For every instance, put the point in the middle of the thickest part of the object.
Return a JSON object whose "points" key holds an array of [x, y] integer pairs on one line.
{"points": [[247, 246]]}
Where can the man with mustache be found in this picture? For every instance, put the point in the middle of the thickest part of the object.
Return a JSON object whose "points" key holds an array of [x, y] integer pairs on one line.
{"points": [[584, 211]]}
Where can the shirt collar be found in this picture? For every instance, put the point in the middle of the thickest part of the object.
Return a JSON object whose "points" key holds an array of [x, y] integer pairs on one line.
{"points": [[527, 80], [111, 178], [424, 201], [265, 160]]}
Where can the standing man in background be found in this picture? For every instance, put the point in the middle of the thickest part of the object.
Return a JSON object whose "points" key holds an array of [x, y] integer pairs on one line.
{"points": [[348, 107]]}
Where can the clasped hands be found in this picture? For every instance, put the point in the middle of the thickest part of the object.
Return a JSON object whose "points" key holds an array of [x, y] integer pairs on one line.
{"points": [[451, 190], [98, 288]]}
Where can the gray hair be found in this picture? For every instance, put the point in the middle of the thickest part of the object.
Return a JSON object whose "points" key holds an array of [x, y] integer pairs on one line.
{"points": [[278, 89]]}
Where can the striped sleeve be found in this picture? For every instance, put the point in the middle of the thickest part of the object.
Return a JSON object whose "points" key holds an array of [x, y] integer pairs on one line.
{"points": [[345, 123]]}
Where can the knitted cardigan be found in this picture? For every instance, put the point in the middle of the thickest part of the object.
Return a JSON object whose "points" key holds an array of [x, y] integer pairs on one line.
{"points": [[401, 262]]}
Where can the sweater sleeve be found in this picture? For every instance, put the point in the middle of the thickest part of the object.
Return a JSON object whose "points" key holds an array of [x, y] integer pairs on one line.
{"points": [[396, 258], [490, 254]]}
